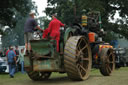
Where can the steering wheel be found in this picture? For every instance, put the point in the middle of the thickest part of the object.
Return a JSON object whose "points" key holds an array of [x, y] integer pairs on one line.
{"points": [[37, 35]]}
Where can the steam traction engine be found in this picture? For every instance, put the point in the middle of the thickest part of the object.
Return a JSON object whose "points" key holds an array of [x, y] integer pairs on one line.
{"points": [[81, 47]]}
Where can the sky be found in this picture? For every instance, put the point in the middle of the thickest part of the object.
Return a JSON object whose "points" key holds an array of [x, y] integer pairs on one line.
{"points": [[41, 4]]}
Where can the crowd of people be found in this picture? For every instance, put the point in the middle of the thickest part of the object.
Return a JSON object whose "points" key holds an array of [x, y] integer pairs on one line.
{"points": [[15, 59]]}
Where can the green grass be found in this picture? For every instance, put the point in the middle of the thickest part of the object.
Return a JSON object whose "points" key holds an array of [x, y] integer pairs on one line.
{"points": [[20, 78], [5, 77]]}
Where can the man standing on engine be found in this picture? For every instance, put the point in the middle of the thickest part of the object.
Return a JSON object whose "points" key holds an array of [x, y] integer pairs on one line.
{"points": [[54, 30], [29, 28]]}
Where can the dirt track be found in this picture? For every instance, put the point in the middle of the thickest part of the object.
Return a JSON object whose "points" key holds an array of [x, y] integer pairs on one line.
{"points": [[119, 77]]}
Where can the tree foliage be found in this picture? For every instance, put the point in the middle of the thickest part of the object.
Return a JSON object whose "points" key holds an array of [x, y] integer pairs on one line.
{"points": [[14, 36], [67, 9], [14, 16], [43, 22], [10, 8]]}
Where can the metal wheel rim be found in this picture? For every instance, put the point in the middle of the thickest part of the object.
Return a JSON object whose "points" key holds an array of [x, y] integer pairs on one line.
{"points": [[82, 58], [110, 62]]}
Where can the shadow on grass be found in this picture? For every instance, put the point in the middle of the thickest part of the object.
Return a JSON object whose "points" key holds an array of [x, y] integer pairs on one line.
{"points": [[56, 81], [4, 73], [63, 80], [96, 75]]}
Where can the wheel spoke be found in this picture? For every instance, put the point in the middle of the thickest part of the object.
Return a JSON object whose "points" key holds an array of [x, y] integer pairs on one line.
{"points": [[80, 42], [84, 47], [79, 45], [79, 70], [108, 68], [80, 51], [83, 68], [110, 54], [85, 59], [79, 65], [111, 62]]}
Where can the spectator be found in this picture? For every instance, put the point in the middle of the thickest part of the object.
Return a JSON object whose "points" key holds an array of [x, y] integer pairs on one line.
{"points": [[17, 51], [17, 58], [11, 61], [9, 50], [21, 58], [1, 54]]}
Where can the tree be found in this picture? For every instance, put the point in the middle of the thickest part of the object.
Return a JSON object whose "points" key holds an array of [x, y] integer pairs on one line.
{"points": [[14, 34], [66, 9], [43, 22], [9, 9]]}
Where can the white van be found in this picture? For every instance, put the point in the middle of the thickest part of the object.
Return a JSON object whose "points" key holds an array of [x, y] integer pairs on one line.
{"points": [[4, 67]]}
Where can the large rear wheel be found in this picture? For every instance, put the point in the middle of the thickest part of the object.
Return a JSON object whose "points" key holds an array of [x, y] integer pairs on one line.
{"points": [[107, 59], [77, 58]]}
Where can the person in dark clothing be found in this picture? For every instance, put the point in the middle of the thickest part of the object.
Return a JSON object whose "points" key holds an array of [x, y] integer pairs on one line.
{"points": [[12, 62], [17, 52], [29, 27], [9, 50], [1, 54], [17, 58]]}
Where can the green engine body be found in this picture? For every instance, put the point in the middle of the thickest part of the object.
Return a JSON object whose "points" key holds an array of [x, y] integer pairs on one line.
{"points": [[44, 56]]}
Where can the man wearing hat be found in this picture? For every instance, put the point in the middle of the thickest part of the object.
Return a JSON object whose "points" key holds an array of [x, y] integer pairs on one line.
{"points": [[29, 27], [11, 56], [54, 30]]}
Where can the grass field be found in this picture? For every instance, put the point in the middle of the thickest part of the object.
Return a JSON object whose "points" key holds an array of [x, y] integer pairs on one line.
{"points": [[119, 77]]}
